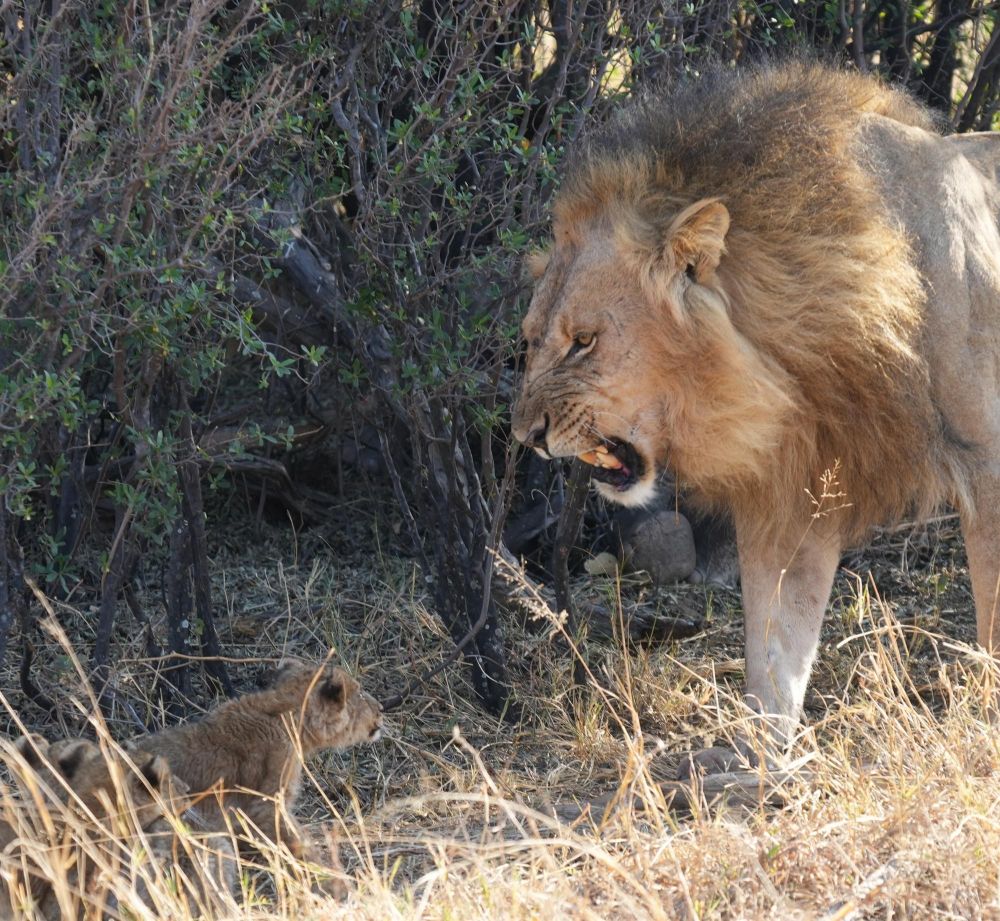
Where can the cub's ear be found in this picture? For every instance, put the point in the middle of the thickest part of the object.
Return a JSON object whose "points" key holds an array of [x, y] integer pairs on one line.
{"points": [[32, 748], [696, 238], [67, 757], [334, 689], [155, 770]]}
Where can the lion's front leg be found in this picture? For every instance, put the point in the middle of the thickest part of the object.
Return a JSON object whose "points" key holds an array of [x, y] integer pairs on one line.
{"points": [[786, 585], [981, 529]]}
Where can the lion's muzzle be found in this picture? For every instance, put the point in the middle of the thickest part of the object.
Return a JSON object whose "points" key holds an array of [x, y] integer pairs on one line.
{"points": [[530, 428]]}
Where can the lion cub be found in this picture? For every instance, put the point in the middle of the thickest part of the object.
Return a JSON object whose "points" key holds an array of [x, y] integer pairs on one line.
{"points": [[73, 798], [249, 750], [138, 806]]}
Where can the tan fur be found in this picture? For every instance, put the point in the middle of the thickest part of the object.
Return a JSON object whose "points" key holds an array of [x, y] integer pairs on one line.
{"points": [[43, 775], [787, 272], [110, 789], [72, 791], [246, 752], [142, 803]]}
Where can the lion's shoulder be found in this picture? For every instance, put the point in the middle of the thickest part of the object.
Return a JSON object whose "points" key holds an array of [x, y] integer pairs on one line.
{"points": [[934, 187]]}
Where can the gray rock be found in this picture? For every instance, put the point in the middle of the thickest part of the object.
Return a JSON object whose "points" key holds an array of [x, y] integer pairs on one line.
{"points": [[658, 540], [719, 567]]}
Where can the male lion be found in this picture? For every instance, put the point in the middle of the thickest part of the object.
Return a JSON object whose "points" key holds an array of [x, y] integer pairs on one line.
{"points": [[758, 277]]}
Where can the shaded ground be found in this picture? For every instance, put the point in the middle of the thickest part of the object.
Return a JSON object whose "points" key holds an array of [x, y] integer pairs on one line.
{"points": [[453, 790]]}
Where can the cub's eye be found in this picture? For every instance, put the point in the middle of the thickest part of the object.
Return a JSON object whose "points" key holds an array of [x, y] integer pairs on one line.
{"points": [[582, 342]]}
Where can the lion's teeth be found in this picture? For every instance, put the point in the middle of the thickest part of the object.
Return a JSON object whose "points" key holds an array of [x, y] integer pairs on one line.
{"points": [[608, 461], [600, 449], [599, 457]]}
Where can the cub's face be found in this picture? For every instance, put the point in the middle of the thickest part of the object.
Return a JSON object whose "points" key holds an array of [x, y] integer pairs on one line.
{"points": [[335, 711]]}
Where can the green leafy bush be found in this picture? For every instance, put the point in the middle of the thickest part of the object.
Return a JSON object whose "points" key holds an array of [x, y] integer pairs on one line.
{"points": [[317, 204]]}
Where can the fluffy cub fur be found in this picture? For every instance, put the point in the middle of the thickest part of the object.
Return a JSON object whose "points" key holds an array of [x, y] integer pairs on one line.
{"points": [[248, 751], [85, 806], [70, 792], [142, 804]]}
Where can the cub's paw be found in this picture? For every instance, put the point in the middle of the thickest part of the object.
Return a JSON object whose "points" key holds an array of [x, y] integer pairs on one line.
{"points": [[336, 888], [715, 760]]}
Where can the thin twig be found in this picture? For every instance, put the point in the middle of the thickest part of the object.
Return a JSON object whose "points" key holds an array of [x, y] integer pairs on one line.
{"points": [[499, 516]]}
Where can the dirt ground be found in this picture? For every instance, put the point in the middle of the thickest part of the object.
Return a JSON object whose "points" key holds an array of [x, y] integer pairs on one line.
{"points": [[449, 815]]}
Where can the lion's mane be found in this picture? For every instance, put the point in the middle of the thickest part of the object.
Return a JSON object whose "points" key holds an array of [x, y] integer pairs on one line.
{"points": [[817, 279]]}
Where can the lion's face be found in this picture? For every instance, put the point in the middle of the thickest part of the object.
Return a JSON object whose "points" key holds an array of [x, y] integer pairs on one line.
{"points": [[580, 395], [633, 363]]}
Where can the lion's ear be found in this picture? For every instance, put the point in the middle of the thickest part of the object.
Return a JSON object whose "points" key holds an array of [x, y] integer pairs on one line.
{"points": [[537, 262], [697, 238]]}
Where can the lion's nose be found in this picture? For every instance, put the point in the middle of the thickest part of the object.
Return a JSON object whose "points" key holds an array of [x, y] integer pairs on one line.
{"points": [[536, 437]]}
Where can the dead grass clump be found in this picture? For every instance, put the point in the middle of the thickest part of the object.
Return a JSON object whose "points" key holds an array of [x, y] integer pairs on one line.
{"points": [[458, 815]]}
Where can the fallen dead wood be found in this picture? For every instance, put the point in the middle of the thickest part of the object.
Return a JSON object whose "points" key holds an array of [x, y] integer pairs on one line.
{"points": [[744, 788], [748, 789], [216, 440], [516, 591]]}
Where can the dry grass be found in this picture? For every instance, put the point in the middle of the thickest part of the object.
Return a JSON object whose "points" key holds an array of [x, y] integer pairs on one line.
{"points": [[450, 816]]}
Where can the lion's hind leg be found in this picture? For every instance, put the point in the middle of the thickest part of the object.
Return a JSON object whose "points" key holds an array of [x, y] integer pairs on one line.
{"points": [[981, 529]]}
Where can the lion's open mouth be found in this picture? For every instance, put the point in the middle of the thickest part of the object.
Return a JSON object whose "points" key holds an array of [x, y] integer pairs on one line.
{"points": [[616, 463]]}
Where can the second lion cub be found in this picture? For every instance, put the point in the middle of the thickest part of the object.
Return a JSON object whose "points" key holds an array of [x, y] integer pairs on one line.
{"points": [[243, 753]]}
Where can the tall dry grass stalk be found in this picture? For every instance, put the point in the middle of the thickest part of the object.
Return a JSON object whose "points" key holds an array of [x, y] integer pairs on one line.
{"points": [[896, 813]]}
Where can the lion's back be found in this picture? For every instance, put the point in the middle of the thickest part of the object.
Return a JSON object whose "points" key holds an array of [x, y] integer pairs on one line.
{"points": [[944, 193]]}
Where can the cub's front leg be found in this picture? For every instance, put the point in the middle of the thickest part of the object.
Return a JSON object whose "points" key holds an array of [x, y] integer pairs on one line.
{"points": [[277, 824], [283, 828], [786, 584]]}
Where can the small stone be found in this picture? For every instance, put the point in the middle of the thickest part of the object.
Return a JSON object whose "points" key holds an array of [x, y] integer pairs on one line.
{"points": [[604, 564]]}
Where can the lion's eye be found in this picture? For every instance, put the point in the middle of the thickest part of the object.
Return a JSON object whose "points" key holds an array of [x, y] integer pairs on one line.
{"points": [[582, 342]]}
